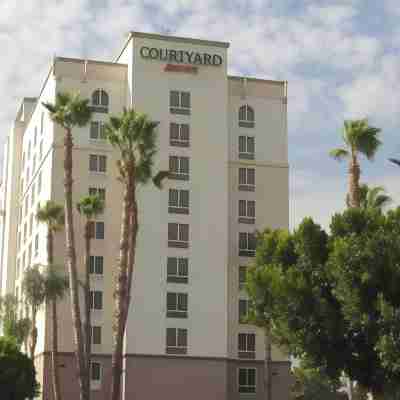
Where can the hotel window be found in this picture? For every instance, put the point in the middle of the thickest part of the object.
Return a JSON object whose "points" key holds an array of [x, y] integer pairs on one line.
{"points": [[96, 230], [41, 150], [100, 192], [95, 334], [177, 270], [247, 244], [176, 341], [96, 264], [247, 179], [36, 244], [247, 380], [177, 305], [179, 102], [97, 163], [100, 101], [246, 147], [247, 345], [33, 194], [243, 310], [95, 375], [246, 116], [40, 182], [247, 211], [96, 300], [179, 168], [35, 137], [178, 202], [178, 235], [242, 276], [179, 134], [97, 130]]}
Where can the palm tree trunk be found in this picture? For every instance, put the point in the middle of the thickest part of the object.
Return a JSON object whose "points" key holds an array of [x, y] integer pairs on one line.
{"points": [[34, 334], [88, 333], [54, 349], [121, 292], [354, 182], [71, 262]]}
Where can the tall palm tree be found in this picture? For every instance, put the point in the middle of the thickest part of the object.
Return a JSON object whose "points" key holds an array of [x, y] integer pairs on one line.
{"points": [[70, 111], [52, 214], [134, 136], [89, 207], [33, 290], [359, 138]]}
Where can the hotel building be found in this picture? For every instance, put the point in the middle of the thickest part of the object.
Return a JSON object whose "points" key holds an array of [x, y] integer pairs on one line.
{"points": [[224, 140]]}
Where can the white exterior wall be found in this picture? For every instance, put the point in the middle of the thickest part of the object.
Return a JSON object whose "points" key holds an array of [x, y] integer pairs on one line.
{"points": [[208, 219]]}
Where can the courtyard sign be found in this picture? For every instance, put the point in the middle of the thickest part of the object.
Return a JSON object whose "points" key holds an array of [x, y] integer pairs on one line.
{"points": [[181, 56]]}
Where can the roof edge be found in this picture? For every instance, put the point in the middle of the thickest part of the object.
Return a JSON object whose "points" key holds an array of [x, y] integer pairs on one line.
{"points": [[248, 78]]}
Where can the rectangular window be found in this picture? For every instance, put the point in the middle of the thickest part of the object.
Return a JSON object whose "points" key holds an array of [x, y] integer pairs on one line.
{"points": [[177, 305], [179, 102], [179, 168], [95, 372], [176, 341], [96, 300], [97, 163], [97, 130], [247, 345], [247, 211], [96, 230], [178, 235], [96, 334], [177, 270], [96, 264], [179, 134], [247, 179], [178, 202], [101, 192], [246, 147], [243, 310], [247, 244], [242, 276], [247, 380]]}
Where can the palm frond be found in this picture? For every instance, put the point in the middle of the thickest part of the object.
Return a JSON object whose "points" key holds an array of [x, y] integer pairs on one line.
{"points": [[90, 206], [159, 178], [339, 154]]}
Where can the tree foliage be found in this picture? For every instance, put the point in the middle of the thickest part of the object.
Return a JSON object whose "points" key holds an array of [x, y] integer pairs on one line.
{"points": [[17, 373], [334, 299]]}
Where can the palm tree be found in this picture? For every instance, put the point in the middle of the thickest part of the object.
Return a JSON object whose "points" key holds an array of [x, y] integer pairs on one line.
{"points": [[70, 111], [374, 197], [133, 134], [52, 214], [89, 207], [33, 289], [359, 138]]}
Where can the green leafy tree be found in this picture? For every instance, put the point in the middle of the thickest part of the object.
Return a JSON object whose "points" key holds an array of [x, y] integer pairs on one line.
{"points": [[15, 328], [331, 299], [17, 373], [70, 111], [134, 136], [52, 214], [34, 294], [89, 207], [359, 138]]}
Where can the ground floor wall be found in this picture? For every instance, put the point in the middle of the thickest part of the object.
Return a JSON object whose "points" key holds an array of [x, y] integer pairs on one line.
{"points": [[168, 378]]}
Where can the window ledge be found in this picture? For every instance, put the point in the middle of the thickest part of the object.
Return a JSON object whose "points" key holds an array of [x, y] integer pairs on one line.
{"points": [[177, 314], [246, 124], [247, 220], [249, 355], [246, 156], [177, 279], [178, 210], [98, 173], [176, 350], [99, 109], [247, 188], [178, 244], [179, 110], [178, 176], [179, 143], [247, 253]]}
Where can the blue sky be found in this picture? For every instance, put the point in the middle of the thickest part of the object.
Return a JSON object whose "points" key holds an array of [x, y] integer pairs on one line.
{"points": [[340, 58]]}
